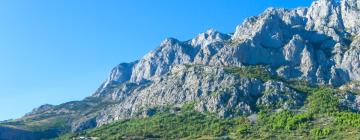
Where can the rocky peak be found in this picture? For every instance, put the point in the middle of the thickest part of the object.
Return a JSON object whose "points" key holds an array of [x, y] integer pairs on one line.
{"points": [[274, 33], [253, 25], [173, 52], [271, 26], [170, 52], [324, 16], [118, 75], [208, 37], [169, 42]]}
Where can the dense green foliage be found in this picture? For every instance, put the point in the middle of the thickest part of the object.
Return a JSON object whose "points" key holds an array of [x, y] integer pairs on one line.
{"points": [[185, 124], [188, 124], [347, 118], [323, 101]]}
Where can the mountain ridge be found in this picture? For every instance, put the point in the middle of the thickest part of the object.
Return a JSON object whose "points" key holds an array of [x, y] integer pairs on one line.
{"points": [[229, 74]]}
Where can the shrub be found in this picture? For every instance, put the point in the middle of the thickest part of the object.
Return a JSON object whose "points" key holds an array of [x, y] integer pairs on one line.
{"points": [[258, 72], [323, 100], [320, 132], [285, 120], [347, 118]]}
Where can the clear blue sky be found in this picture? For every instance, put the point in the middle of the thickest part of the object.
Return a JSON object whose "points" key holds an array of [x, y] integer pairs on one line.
{"points": [[53, 51]]}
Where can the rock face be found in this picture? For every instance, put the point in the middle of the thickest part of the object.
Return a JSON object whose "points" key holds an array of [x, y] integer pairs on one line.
{"points": [[351, 60], [350, 101], [212, 89], [309, 43], [350, 14], [319, 44], [118, 75]]}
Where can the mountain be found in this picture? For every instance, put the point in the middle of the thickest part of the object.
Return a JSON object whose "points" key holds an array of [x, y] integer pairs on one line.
{"points": [[287, 62]]}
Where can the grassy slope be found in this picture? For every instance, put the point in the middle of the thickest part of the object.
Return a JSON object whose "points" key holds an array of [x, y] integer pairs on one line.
{"points": [[57, 121]]}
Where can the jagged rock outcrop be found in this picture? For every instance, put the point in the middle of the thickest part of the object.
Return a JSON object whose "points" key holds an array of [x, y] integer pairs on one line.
{"points": [[351, 60], [278, 95], [350, 13], [174, 52], [118, 75], [212, 89], [350, 101], [324, 16]]}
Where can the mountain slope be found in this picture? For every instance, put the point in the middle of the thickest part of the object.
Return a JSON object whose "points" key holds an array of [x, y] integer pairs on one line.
{"points": [[322, 119], [271, 62]]}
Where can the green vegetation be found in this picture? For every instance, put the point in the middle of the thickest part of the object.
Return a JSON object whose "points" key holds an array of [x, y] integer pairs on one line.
{"points": [[39, 123], [56, 121], [323, 101], [320, 133], [188, 106], [262, 73], [285, 120], [187, 124], [321, 118], [300, 86], [39, 126], [347, 119], [258, 72]]}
